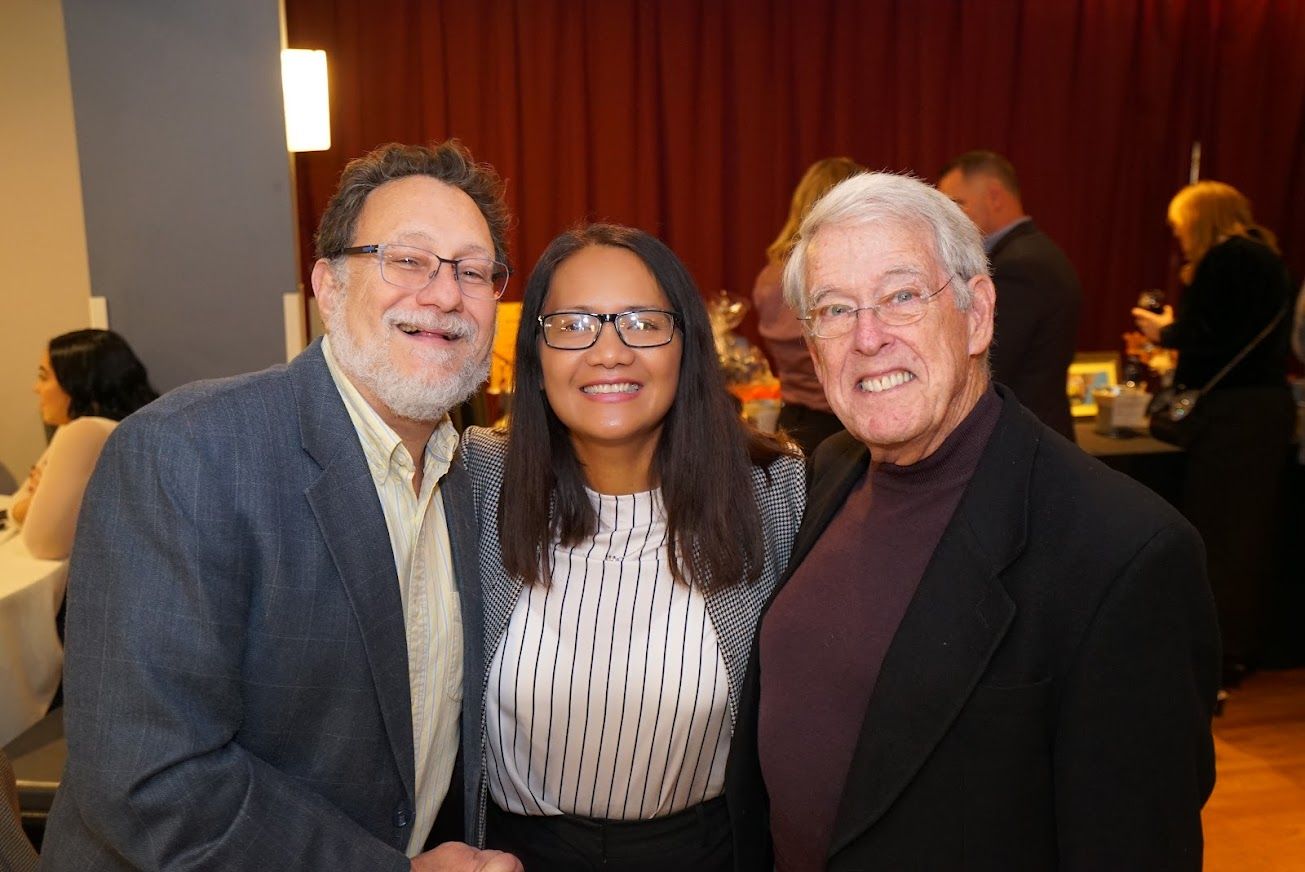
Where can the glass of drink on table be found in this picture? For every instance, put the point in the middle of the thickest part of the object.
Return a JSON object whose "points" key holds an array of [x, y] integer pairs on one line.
{"points": [[1152, 299]]}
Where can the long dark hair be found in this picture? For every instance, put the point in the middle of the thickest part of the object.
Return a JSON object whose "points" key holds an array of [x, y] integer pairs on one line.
{"points": [[703, 459], [100, 374]]}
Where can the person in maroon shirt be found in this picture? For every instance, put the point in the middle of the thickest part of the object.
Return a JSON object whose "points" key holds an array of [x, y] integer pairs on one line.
{"points": [[805, 416], [992, 652]]}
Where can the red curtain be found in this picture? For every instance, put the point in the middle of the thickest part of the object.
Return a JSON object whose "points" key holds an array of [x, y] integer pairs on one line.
{"points": [[694, 119]]}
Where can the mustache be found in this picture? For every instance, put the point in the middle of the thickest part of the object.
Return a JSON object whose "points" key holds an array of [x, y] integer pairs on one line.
{"points": [[453, 326]]}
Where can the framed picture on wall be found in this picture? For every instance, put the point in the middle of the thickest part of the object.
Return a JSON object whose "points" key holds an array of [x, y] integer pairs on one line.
{"points": [[1090, 371]]}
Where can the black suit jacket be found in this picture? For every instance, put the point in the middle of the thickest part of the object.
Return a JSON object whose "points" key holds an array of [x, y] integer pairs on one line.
{"points": [[1046, 701], [1036, 329]]}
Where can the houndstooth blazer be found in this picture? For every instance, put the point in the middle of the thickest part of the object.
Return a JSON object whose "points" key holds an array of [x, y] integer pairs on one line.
{"points": [[16, 852], [733, 609]]}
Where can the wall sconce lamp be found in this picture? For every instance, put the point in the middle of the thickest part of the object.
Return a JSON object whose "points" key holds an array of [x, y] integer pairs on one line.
{"points": [[307, 102], [307, 128]]}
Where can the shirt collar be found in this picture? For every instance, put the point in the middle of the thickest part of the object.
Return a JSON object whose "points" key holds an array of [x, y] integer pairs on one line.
{"points": [[382, 446]]}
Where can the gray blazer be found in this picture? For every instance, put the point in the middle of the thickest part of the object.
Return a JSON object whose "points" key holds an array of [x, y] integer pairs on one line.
{"points": [[734, 609], [237, 672]]}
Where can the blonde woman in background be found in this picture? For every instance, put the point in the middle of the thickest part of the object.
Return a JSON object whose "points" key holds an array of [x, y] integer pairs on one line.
{"points": [[1237, 284], [806, 415]]}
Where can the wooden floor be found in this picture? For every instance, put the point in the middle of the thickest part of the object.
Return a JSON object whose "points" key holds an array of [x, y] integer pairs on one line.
{"points": [[1255, 820]]}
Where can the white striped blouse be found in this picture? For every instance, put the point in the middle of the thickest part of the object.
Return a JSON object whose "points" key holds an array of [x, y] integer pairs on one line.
{"points": [[608, 695]]}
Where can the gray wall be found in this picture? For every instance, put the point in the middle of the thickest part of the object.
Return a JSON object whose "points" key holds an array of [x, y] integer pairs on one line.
{"points": [[185, 178], [45, 285]]}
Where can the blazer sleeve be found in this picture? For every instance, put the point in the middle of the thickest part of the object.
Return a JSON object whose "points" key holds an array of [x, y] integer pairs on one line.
{"points": [[1134, 756], [160, 587]]}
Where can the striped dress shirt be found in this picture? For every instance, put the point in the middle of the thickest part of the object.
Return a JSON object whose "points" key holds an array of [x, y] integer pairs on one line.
{"points": [[608, 695], [419, 539]]}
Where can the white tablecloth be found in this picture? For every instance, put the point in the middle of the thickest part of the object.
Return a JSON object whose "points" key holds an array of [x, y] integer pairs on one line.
{"points": [[31, 657]]}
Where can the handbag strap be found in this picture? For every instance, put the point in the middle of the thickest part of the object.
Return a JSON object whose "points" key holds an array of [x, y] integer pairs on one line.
{"points": [[1259, 337]]}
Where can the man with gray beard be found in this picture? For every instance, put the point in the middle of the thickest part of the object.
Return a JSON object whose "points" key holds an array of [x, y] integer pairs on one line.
{"points": [[273, 575]]}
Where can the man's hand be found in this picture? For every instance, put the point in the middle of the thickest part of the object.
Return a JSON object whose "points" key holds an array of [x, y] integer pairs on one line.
{"points": [[1151, 324], [460, 857]]}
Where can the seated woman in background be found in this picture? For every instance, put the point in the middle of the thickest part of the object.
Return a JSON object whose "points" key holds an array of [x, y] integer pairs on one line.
{"points": [[87, 381], [806, 415], [1237, 285], [625, 563]]}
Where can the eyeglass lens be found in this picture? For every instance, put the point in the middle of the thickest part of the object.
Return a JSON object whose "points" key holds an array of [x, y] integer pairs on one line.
{"points": [[415, 268], [646, 328], [895, 309]]}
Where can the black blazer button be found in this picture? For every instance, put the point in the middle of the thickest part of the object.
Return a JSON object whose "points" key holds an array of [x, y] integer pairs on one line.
{"points": [[401, 819]]}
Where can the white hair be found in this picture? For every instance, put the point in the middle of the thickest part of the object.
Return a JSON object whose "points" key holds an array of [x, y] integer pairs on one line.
{"points": [[892, 200]]}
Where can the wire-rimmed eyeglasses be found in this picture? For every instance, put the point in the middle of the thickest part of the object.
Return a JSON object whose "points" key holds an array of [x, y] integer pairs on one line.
{"points": [[637, 328], [836, 318], [413, 269]]}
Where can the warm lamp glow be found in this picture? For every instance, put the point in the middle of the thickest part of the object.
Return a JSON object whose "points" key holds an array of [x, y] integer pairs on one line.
{"points": [[307, 103], [507, 318]]}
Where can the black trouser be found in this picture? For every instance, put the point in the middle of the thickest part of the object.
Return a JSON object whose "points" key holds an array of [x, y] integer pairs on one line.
{"points": [[697, 839], [1235, 468]]}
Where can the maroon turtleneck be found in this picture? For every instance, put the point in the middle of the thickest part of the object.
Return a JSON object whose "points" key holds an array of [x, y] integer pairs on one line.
{"points": [[825, 636]]}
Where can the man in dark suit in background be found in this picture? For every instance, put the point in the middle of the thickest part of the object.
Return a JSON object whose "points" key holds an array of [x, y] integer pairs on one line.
{"points": [[992, 652], [273, 572], [1038, 292]]}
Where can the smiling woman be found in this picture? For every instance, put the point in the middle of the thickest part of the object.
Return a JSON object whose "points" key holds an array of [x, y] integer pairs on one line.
{"points": [[613, 393], [625, 566]]}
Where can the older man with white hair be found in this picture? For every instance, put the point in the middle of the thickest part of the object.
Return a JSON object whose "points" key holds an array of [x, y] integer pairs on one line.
{"points": [[992, 652]]}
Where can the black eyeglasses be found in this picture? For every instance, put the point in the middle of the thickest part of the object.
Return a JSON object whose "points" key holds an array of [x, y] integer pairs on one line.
{"points": [[413, 269], [638, 328]]}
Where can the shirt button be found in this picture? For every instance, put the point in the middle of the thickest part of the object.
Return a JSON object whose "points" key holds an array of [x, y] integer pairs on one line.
{"points": [[401, 816]]}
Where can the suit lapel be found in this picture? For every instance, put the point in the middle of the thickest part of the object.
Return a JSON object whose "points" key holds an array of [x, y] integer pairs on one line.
{"points": [[838, 469], [954, 624], [348, 513], [460, 517]]}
